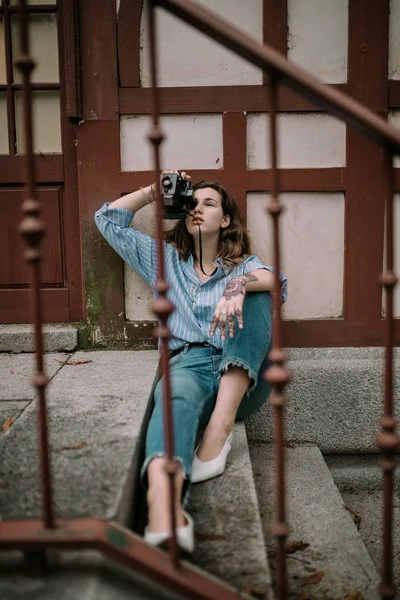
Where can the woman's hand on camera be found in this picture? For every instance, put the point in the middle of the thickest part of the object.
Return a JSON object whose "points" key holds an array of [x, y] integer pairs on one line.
{"points": [[183, 174]]}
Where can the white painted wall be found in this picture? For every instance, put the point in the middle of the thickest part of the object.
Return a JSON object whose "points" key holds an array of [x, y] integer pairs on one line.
{"points": [[396, 260], [189, 58], [394, 40], [138, 295], [317, 37], [312, 231], [305, 140], [397, 254], [394, 120], [191, 142]]}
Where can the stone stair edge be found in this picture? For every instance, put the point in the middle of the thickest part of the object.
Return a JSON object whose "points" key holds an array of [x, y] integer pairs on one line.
{"points": [[229, 510], [316, 515], [64, 337]]}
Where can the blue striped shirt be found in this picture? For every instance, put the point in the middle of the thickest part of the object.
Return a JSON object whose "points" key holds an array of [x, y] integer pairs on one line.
{"points": [[194, 302]]}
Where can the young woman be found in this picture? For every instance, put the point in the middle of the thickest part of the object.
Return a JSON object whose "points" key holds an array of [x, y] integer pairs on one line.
{"points": [[221, 332]]}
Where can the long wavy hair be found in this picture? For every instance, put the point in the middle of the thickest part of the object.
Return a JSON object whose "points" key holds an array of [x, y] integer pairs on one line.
{"points": [[234, 241]]}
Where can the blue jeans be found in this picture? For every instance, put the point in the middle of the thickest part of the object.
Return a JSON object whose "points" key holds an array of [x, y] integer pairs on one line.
{"points": [[195, 376]]}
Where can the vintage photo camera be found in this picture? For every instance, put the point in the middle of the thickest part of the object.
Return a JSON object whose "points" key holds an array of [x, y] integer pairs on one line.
{"points": [[177, 196]]}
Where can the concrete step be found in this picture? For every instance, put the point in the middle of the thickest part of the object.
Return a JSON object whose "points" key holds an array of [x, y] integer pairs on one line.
{"points": [[57, 338], [358, 472], [317, 517], [230, 542], [335, 400], [368, 510]]}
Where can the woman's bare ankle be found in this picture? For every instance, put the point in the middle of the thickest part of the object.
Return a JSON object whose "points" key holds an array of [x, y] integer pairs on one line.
{"points": [[158, 498], [213, 441], [159, 514]]}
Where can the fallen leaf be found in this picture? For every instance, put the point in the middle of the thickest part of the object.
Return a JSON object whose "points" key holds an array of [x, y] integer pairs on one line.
{"points": [[12, 372], [76, 447], [314, 578], [356, 517], [74, 363], [209, 536], [7, 424], [355, 595], [256, 592], [294, 546]]}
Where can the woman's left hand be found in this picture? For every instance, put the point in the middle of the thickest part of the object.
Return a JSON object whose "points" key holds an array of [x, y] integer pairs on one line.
{"points": [[231, 306]]}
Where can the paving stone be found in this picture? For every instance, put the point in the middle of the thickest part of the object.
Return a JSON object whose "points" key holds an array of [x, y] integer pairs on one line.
{"points": [[94, 414], [16, 371]]}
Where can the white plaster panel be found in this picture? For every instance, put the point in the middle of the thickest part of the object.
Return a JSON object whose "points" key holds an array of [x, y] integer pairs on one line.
{"points": [[312, 234], [394, 40], [317, 37], [396, 310], [189, 58], [305, 140], [191, 142], [396, 258], [139, 295], [394, 119]]}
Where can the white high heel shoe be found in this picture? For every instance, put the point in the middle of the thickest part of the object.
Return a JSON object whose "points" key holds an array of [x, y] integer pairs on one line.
{"points": [[184, 535], [203, 470]]}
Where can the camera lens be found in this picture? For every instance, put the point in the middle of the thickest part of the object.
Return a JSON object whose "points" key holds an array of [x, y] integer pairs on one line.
{"points": [[167, 183]]}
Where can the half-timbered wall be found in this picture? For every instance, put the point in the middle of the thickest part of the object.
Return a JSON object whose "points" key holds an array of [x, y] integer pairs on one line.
{"points": [[215, 119]]}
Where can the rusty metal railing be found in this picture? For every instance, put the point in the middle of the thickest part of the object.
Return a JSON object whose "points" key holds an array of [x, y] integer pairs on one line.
{"points": [[109, 538]]}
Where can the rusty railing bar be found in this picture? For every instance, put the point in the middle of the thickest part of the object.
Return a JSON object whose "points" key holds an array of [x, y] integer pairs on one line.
{"points": [[387, 440], [162, 307], [277, 375], [32, 229], [293, 76]]}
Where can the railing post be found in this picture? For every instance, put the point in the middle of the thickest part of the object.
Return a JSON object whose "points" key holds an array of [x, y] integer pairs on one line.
{"points": [[277, 375], [387, 440], [162, 307], [32, 229]]}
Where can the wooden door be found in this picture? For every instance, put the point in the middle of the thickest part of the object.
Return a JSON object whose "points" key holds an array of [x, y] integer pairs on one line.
{"points": [[55, 112]]}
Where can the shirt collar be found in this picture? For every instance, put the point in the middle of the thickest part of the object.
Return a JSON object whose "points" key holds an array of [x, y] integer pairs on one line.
{"points": [[188, 267]]}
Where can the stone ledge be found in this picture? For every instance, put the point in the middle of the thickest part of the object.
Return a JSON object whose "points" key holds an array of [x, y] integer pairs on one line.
{"points": [[20, 338], [334, 400]]}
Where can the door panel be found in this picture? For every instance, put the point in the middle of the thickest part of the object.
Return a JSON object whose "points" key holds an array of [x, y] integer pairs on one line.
{"points": [[14, 270]]}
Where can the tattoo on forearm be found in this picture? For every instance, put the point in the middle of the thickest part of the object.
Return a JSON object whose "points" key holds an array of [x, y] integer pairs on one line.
{"points": [[237, 285]]}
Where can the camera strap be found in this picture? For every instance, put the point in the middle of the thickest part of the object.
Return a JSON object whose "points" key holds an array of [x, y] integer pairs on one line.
{"points": [[201, 247]]}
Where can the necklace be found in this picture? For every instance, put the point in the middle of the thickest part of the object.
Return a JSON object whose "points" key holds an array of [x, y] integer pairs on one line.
{"points": [[196, 264]]}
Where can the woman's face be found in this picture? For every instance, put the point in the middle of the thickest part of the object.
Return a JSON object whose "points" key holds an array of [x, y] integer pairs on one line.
{"points": [[208, 212]]}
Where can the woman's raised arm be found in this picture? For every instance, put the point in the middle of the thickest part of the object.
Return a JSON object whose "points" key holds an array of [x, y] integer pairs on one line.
{"points": [[136, 200]]}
